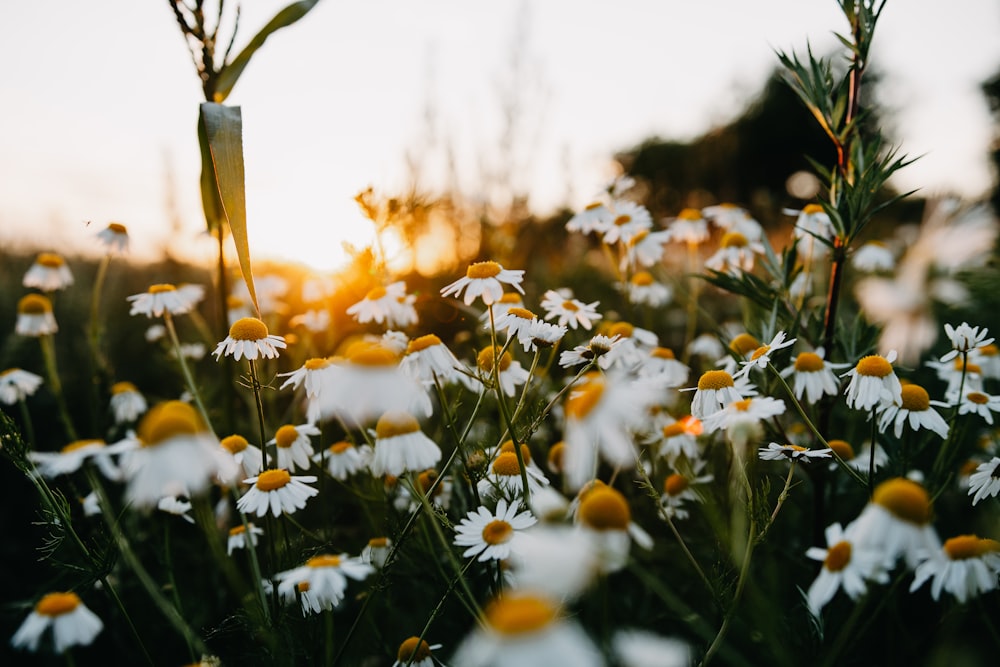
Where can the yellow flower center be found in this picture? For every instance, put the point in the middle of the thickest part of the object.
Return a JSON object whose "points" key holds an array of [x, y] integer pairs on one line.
{"points": [[323, 560], [969, 546], [34, 304], [593, 205], [117, 228], [915, 398], [990, 350], [269, 480], [673, 430], [759, 352], [77, 445], [874, 365], [248, 328], [743, 344], [642, 279], [508, 446], [169, 419], [675, 484], [375, 293], [583, 399], [690, 214], [57, 604], [316, 363], [482, 270], [734, 240], [123, 387], [742, 405], [413, 650], [341, 447], [662, 353], [422, 343], [635, 240], [235, 443], [838, 556], [237, 530], [715, 380], [510, 297], [808, 362], [623, 220], [570, 306], [302, 586], [604, 508], [555, 456], [978, 398], [515, 614], [50, 260], [392, 424], [378, 542], [161, 288], [906, 500], [487, 357], [623, 329], [232, 301], [842, 448], [286, 436], [371, 354], [523, 313], [506, 465], [969, 367], [497, 532]]}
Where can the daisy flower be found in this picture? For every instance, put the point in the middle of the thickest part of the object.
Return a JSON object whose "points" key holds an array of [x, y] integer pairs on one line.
{"points": [[707, 346], [517, 323], [325, 578], [569, 311], [486, 280], [249, 338], [34, 316], [488, 534], [316, 321], [778, 452], [761, 357], [390, 305], [428, 359], [593, 217], [742, 419], [177, 455], [735, 254], [509, 373], [677, 491], [676, 438], [278, 491], [71, 622], [860, 461], [873, 257], [415, 652], [725, 215], [985, 482], [500, 306], [504, 475], [662, 364], [162, 298], [629, 221], [977, 402], [127, 403], [240, 535], [400, 446], [598, 348], [72, 457], [16, 385], [49, 273], [987, 358], [604, 512], [640, 648], [174, 505], [897, 522], [542, 334], [114, 237], [632, 347], [964, 339], [249, 457], [645, 248], [715, 391], [914, 408], [309, 374], [376, 552], [643, 289], [293, 445], [967, 566], [845, 566], [813, 376], [552, 558], [343, 459], [689, 227], [526, 629], [873, 382]]}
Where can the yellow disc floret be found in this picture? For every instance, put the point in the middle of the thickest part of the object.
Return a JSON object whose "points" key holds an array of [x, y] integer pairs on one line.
{"points": [[341, 447], [482, 270], [969, 546], [838, 556], [605, 508], [50, 260], [842, 448], [734, 240], [675, 484], [162, 288], [642, 279], [413, 650], [57, 604], [583, 399], [488, 357], [77, 445], [715, 380], [905, 499], [286, 436], [506, 465], [690, 214], [422, 343], [323, 560], [269, 480], [117, 228], [515, 614], [743, 344], [497, 532], [235, 443], [915, 398], [34, 304], [874, 365], [392, 424], [808, 362], [167, 420], [248, 328]]}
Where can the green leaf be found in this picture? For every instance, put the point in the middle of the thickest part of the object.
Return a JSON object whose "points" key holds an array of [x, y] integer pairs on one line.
{"points": [[222, 151], [230, 73]]}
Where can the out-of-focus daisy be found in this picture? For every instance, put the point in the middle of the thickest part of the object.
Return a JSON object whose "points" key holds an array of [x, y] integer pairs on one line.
{"points": [[964, 339], [778, 452], [845, 566], [127, 402], [813, 376], [812, 227], [873, 257], [569, 311], [72, 623], [162, 298], [277, 491], [643, 289], [316, 321], [544, 335], [677, 437], [706, 346], [632, 347], [640, 648], [630, 219], [49, 273], [415, 652], [249, 338], [526, 629], [177, 455], [390, 305], [967, 566], [914, 408], [897, 522], [553, 558], [504, 476], [325, 578], [742, 419], [155, 332], [605, 513], [873, 382], [985, 482], [645, 248], [661, 363], [761, 357], [860, 461], [428, 359], [987, 358], [293, 445], [735, 254], [977, 402], [598, 348], [249, 457], [237, 308], [90, 504], [174, 505], [715, 391], [17, 384], [725, 215], [309, 374], [71, 457], [343, 459], [689, 227], [487, 534], [677, 491], [517, 322], [401, 446], [34, 316], [376, 552], [114, 237], [510, 374], [593, 217], [239, 536], [486, 280]]}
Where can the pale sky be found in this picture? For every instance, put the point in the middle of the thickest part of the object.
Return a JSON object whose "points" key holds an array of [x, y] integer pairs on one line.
{"points": [[100, 103]]}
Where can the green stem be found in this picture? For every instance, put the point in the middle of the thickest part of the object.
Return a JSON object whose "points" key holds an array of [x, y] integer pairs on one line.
{"points": [[29, 429], [55, 385], [437, 608], [255, 385], [449, 424], [740, 585], [168, 320]]}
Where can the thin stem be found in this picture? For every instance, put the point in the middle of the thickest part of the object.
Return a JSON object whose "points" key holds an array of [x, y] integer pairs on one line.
{"points": [[437, 608], [55, 385], [871, 457], [29, 429], [188, 378], [255, 385], [449, 424], [740, 585]]}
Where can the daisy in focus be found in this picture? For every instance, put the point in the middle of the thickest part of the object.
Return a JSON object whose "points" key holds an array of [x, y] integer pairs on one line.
{"points": [[813, 376], [71, 622], [965, 339], [294, 446], [873, 382], [914, 409], [249, 457], [49, 273], [487, 534], [485, 280], [415, 652], [567, 311], [761, 357], [778, 452], [278, 491], [714, 392], [324, 577], [597, 349], [249, 337], [343, 459], [985, 482], [162, 299]]}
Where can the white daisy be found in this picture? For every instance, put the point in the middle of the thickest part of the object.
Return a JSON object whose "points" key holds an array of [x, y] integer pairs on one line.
{"points": [[605, 513], [778, 452], [640, 648], [860, 461], [71, 622], [676, 438], [896, 522], [503, 477], [761, 357], [593, 217], [542, 334], [914, 408], [114, 237], [744, 414], [500, 306], [873, 382], [324, 577], [294, 446], [72, 457], [249, 457], [677, 491], [510, 374], [873, 257], [813, 376], [985, 482], [629, 220], [310, 374], [987, 358], [662, 364], [160, 299], [645, 248], [277, 491], [49, 273], [239, 536], [376, 552], [486, 280], [964, 339], [16, 385], [400, 446], [552, 558], [598, 348], [967, 566], [488, 534], [390, 305], [415, 652], [643, 289], [428, 359], [34, 316], [725, 215], [174, 505], [845, 565], [249, 337], [343, 459], [715, 391], [979, 403], [569, 311], [735, 254], [517, 323], [689, 227], [127, 403]]}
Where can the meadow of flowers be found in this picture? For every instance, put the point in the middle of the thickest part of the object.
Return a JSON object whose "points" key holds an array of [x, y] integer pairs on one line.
{"points": [[723, 445]]}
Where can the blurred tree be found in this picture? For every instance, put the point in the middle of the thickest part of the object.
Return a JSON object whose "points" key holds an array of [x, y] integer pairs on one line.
{"points": [[991, 89]]}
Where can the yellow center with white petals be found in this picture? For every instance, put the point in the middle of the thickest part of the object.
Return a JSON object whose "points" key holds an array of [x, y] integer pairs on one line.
{"points": [[715, 380], [375, 293], [662, 353], [340, 447], [690, 214], [270, 480], [915, 398], [497, 532], [378, 542], [372, 355], [286, 436], [483, 270], [316, 363], [570, 306], [905, 499], [516, 614], [413, 650], [808, 362], [623, 329], [734, 240], [964, 547], [81, 444], [235, 443], [743, 343], [604, 508], [57, 604], [50, 260], [838, 557], [323, 560], [760, 352], [422, 343], [123, 387], [487, 357], [169, 419], [248, 328], [642, 279], [522, 313], [874, 365], [508, 446], [623, 220], [34, 304], [393, 424], [675, 484], [583, 399], [506, 465], [842, 448], [162, 288]]}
